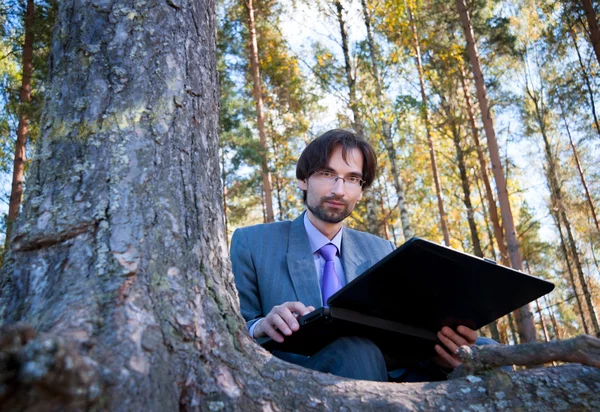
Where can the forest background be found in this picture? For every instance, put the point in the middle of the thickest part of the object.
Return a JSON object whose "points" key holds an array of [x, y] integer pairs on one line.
{"points": [[399, 73]]}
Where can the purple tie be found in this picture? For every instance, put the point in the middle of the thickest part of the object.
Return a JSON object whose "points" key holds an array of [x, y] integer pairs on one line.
{"points": [[331, 283]]}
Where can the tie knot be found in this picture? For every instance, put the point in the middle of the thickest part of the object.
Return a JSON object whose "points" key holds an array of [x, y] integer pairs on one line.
{"points": [[328, 251]]}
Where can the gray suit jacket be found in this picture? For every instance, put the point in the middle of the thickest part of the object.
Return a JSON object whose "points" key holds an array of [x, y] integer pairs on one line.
{"points": [[272, 264]]}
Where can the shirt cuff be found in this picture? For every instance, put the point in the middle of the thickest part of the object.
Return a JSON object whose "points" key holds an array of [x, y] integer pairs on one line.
{"points": [[251, 328]]}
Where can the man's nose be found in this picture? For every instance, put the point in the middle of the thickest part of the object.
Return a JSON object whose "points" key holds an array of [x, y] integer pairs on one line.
{"points": [[338, 187]]}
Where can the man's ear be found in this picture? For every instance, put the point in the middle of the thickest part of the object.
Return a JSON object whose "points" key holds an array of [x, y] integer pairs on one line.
{"points": [[361, 193], [302, 184]]}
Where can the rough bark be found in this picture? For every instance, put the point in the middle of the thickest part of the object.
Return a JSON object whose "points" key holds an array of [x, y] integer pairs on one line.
{"points": [[16, 192], [583, 349], [425, 116], [260, 115], [590, 15], [523, 315], [120, 264], [386, 128]]}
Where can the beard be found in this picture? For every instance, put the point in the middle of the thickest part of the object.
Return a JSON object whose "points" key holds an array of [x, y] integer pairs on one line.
{"points": [[321, 211]]}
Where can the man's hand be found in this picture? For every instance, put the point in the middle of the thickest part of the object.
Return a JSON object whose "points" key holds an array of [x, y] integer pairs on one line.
{"points": [[448, 357], [281, 319]]}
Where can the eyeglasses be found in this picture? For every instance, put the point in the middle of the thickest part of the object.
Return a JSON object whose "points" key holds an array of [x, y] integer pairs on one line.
{"points": [[326, 176]]}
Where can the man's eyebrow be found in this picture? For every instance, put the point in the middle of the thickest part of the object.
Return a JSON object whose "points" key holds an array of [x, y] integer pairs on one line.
{"points": [[329, 169]]}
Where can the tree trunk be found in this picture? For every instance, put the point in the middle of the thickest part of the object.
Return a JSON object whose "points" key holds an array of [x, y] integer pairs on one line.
{"points": [[120, 264], [464, 179], [552, 318], [425, 115], [369, 195], [350, 77], [586, 80], [563, 247], [385, 127], [513, 329], [590, 14], [16, 192], [493, 210], [558, 204], [580, 171], [523, 315], [260, 116]]}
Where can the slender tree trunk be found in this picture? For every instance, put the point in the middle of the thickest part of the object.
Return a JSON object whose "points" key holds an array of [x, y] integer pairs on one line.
{"points": [[523, 315], [552, 318], [563, 246], [464, 179], [278, 187], [369, 195], [558, 203], [385, 127], [539, 311], [580, 171], [425, 116], [513, 329], [493, 210], [16, 192], [586, 80], [260, 116], [590, 14], [350, 77], [542, 322]]}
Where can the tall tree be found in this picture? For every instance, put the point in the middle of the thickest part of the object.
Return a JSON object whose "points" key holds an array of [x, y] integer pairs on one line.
{"points": [[260, 117], [353, 103], [592, 20], [524, 319], [540, 115], [16, 192], [493, 210], [386, 129], [425, 114]]}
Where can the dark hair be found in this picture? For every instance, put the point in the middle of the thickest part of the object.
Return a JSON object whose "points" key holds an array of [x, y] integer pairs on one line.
{"points": [[316, 155]]}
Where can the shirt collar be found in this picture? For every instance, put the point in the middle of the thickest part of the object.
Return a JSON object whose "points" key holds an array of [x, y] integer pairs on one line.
{"points": [[317, 239]]}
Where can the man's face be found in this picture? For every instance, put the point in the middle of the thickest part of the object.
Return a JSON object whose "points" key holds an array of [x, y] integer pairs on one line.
{"points": [[333, 202]]}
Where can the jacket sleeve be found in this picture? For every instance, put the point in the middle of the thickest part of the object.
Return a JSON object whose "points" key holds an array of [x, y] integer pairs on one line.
{"points": [[245, 276]]}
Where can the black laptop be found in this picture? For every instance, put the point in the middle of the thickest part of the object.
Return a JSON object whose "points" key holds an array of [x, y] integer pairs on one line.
{"points": [[404, 299]]}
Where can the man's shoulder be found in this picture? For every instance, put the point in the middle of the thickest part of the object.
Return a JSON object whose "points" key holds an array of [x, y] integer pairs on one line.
{"points": [[262, 229]]}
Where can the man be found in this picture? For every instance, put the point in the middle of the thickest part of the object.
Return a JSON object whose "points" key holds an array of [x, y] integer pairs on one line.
{"points": [[285, 269]]}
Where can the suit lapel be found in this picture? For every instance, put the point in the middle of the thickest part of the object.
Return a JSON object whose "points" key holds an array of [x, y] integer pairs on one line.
{"points": [[301, 265], [354, 260]]}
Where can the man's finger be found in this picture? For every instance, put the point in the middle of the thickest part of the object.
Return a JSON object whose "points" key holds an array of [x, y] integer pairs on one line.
{"points": [[281, 323], [311, 308], [448, 343], [290, 320], [446, 356], [297, 307], [468, 333], [271, 332], [454, 337]]}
